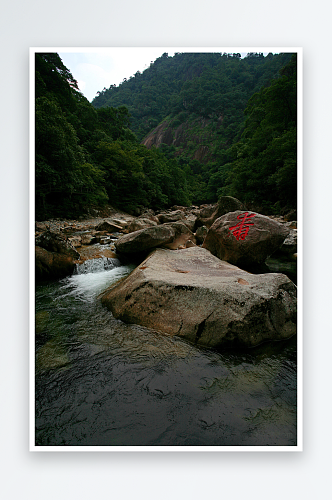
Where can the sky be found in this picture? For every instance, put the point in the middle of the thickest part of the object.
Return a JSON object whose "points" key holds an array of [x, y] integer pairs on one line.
{"points": [[96, 68]]}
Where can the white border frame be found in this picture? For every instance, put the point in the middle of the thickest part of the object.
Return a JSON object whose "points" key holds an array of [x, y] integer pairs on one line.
{"points": [[299, 446]]}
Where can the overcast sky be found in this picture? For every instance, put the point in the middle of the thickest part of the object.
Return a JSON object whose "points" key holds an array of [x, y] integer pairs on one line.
{"points": [[95, 68]]}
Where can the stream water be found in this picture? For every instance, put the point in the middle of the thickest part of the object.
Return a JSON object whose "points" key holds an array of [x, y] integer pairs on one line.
{"points": [[100, 382]]}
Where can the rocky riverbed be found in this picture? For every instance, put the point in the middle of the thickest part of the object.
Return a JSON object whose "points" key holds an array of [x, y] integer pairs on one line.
{"points": [[239, 237]]}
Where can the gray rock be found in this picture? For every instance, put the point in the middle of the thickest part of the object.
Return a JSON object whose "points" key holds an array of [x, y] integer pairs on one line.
{"points": [[289, 246], [192, 294], [175, 216], [201, 233], [52, 265], [140, 223], [225, 205], [55, 242], [170, 235], [245, 238], [190, 221], [110, 227]]}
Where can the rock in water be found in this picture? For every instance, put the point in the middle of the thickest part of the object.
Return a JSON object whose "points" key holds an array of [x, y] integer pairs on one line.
{"points": [[194, 295], [52, 265], [245, 238], [56, 242]]}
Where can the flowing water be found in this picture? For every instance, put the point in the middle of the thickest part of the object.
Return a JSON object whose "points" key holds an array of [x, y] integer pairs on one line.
{"points": [[100, 382]]}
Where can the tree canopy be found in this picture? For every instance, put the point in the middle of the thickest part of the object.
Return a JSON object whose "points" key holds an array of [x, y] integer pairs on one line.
{"points": [[231, 123]]}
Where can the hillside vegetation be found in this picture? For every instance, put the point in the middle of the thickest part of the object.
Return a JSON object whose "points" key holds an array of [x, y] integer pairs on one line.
{"points": [[188, 129]]}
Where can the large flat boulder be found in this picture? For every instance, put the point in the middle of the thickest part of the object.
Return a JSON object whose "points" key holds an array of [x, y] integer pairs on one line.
{"points": [[194, 295], [245, 239]]}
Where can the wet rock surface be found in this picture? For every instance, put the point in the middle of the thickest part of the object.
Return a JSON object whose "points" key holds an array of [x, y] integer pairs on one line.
{"points": [[192, 294], [52, 265]]}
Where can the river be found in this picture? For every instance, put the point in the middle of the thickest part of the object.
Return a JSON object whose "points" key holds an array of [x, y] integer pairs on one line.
{"points": [[100, 382]]}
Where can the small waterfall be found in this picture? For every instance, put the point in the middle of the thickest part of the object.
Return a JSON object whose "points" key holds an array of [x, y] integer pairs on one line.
{"points": [[96, 265]]}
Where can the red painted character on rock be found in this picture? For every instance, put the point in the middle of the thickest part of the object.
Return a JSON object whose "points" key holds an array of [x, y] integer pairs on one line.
{"points": [[241, 229]]}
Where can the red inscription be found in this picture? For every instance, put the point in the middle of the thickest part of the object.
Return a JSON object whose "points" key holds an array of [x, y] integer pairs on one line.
{"points": [[241, 229]]}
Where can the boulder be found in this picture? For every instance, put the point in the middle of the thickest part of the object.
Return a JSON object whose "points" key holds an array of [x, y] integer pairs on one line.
{"points": [[174, 216], [194, 295], [201, 233], [244, 239], [170, 235], [52, 265], [190, 221], [140, 223], [225, 204], [108, 226], [55, 242], [289, 246], [149, 214]]}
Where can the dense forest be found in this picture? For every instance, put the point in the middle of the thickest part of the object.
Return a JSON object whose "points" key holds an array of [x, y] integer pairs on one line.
{"points": [[188, 129]]}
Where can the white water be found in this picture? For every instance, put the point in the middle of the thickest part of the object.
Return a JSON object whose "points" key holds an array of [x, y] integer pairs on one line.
{"points": [[89, 281], [96, 265]]}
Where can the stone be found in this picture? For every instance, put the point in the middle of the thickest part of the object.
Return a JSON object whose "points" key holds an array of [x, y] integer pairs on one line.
{"points": [[174, 216], [225, 205], [108, 226], [190, 221], [55, 242], [170, 235], [87, 239], [192, 294], [75, 241], [140, 223], [52, 265], [245, 239], [201, 233], [289, 246]]}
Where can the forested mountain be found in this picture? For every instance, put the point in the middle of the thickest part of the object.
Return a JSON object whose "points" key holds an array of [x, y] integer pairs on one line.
{"points": [[195, 107], [189, 128], [87, 157]]}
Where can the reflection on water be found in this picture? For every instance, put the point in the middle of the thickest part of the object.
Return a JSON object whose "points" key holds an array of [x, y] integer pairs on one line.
{"points": [[101, 382]]}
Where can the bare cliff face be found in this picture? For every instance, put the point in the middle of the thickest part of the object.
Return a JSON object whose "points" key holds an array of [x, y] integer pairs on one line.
{"points": [[193, 137]]}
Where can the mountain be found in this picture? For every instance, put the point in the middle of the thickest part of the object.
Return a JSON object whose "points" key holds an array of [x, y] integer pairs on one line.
{"points": [[188, 129], [192, 101], [193, 107]]}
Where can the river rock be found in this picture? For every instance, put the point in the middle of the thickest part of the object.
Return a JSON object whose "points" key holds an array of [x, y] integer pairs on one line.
{"points": [[244, 239], [52, 265], [289, 246], [190, 221], [201, 233], [87, 238], [192, 294], [108, 226], [176, 215], [56, 242], [225, 205], [140, 223], [171, 235]]}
